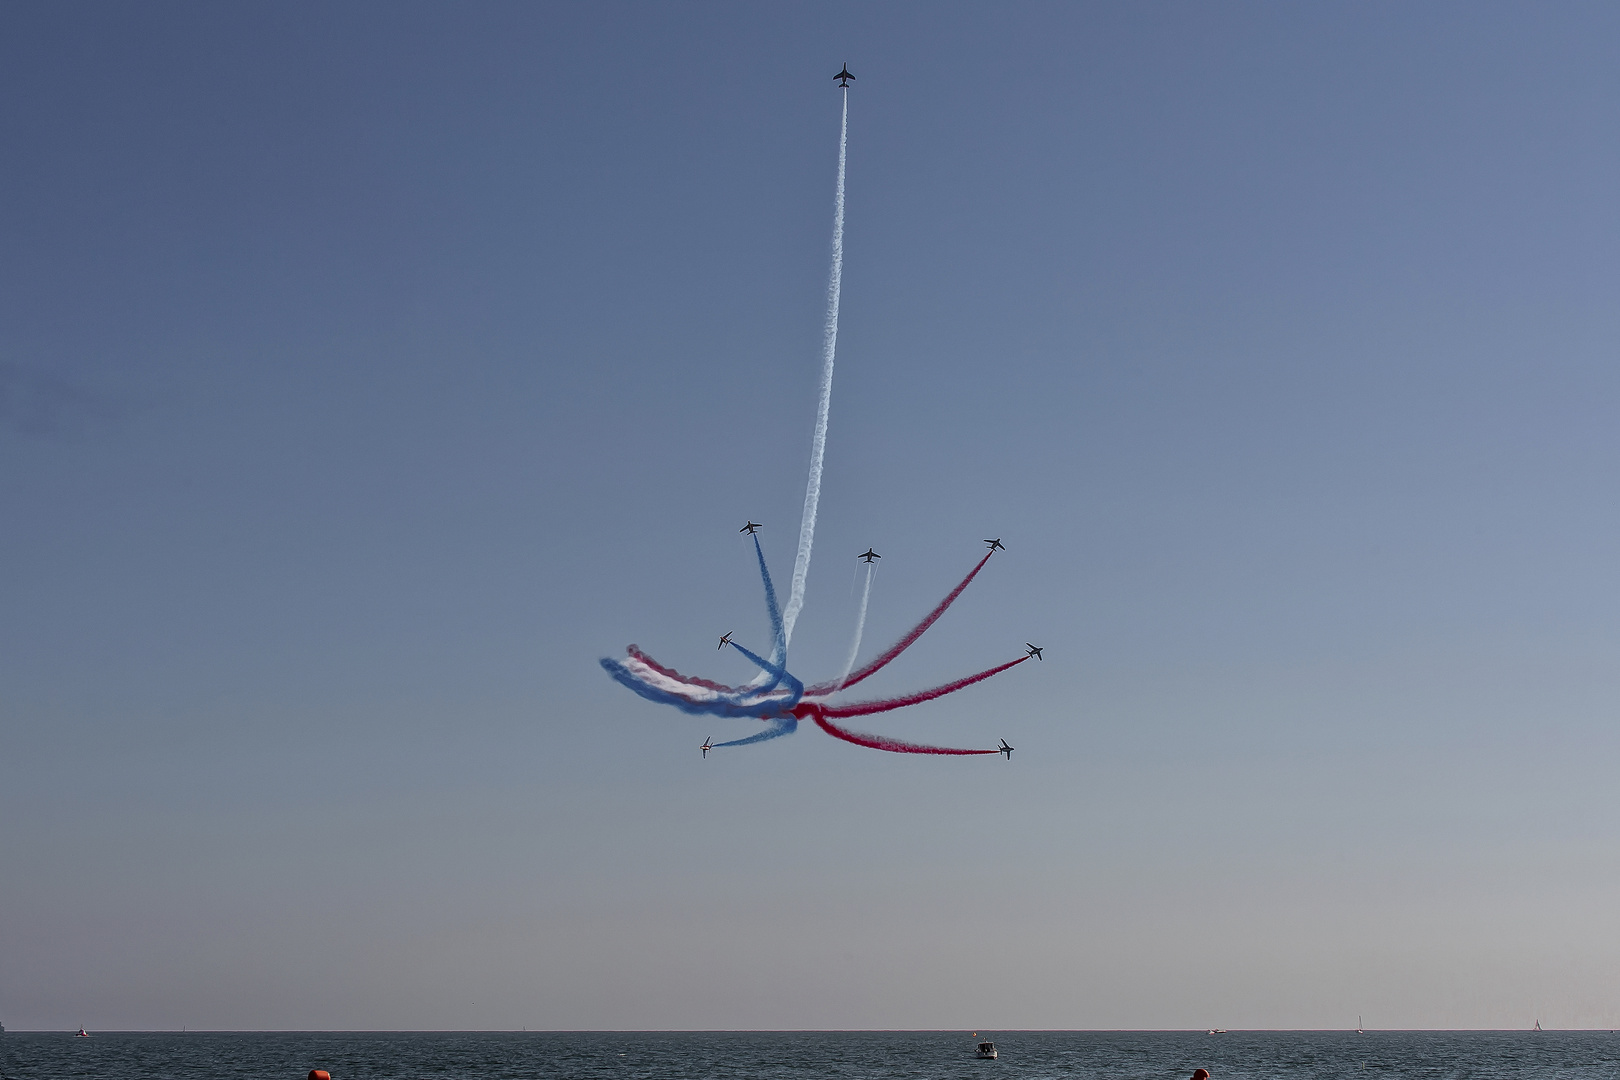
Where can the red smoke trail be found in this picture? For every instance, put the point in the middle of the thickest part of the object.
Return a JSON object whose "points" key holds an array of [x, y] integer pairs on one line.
{"points": [[867, 708], [879, 742], [819, 713], [883, 661]]}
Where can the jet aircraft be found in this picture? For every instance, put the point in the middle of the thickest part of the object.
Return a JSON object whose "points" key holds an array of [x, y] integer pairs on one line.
{"points": [[751, 528], [1033, 650], [1005, 749], [869, 555], [843, 77], [994, 544], [708, 741], [725, 640]]}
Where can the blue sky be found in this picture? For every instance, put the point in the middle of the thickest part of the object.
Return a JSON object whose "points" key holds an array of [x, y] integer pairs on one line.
{"points": [[369, 371]]}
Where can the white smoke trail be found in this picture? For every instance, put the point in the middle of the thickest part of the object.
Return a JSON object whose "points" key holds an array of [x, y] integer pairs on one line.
{"points": [[860, 627], [818, 442]]}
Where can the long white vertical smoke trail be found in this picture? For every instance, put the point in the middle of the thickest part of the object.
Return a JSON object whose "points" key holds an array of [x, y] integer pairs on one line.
{"points": [[818, 442], [860, 627]]}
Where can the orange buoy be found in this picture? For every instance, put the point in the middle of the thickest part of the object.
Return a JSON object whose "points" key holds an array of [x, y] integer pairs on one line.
{"points": [[319, 1074]]}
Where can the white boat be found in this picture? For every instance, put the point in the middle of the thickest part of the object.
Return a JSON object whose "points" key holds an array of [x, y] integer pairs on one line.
{"points": [[83, 1034], [1537, 1027], [1359, 1030], [987, 1050]]}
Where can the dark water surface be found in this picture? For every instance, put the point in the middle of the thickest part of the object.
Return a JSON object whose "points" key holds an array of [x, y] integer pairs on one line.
{"points": [[1025, 1055]]}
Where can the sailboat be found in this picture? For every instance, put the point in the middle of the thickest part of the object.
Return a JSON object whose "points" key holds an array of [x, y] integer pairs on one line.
{"points": [[1359, 1030], [1537, 1027]]}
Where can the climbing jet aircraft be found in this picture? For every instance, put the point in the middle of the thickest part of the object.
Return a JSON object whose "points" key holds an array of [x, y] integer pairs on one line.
{"points": [[751, 528], [869, 555], [708, 741], [843, 77], [994, 544], [725, 640], [1033, 650], [1005, 749]]}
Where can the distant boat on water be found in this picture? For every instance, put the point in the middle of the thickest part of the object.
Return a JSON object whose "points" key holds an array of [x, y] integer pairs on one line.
{"points": [[83, 1034], [987, 1050], [1537, 1027], [1216, 1031], [1359, 1030]]}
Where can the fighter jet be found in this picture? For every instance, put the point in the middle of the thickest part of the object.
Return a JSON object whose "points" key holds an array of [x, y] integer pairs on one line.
{"points": [[725, 640], [1033, 651], [843, 77], [994, 544], [751, 528], [869, 555], [1005, 749], [708, 740]]}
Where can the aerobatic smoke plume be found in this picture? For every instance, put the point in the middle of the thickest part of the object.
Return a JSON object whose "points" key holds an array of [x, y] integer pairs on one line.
{"points": [[783, 700], [829, 349], [775, 696], [860, 626]]}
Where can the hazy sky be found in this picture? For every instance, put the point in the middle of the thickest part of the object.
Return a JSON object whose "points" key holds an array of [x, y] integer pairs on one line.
{"points": [[369, 371]]}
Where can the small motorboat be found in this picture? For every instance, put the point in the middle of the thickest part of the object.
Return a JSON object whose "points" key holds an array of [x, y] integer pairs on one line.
{"points": [[82, 1034], [987, 1050]]}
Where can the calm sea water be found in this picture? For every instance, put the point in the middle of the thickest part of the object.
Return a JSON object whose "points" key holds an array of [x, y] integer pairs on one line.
{"points": [[1025, 1055]]}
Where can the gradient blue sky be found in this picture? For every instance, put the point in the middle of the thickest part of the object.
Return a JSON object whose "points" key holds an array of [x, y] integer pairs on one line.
{"points": [[368, 371]]}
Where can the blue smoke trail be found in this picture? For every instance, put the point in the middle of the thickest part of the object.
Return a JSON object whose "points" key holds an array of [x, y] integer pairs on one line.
{"points": [[784, 725], [762, 703], [780, 724], [762, 684], [721, 705], [779, 674], [761, 700], [778, 630]]}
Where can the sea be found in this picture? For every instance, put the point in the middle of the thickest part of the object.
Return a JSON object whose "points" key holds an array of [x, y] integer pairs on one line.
{"points": [[810, 1055]]}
